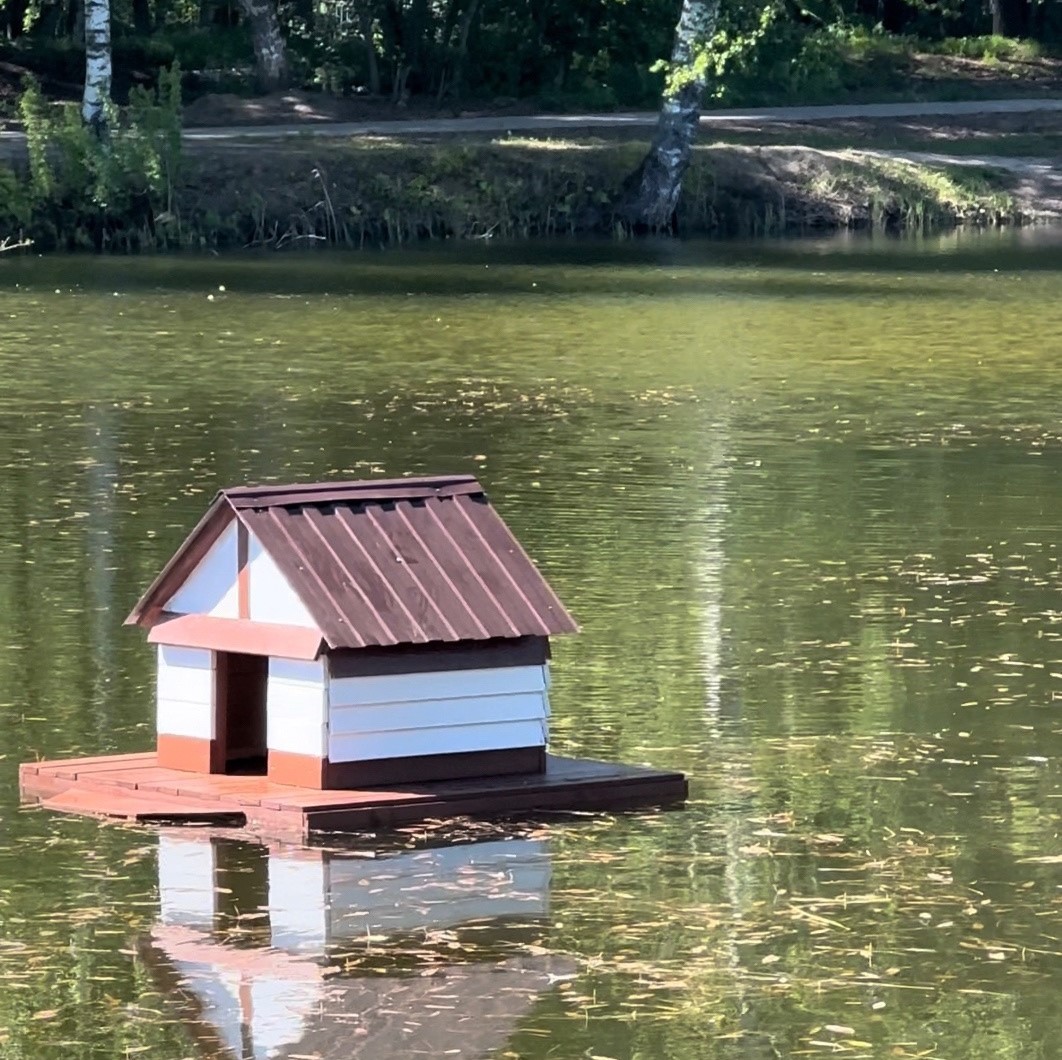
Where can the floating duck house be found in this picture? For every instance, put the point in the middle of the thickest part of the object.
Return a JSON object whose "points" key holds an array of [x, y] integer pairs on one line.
{"points": [[360, 635], [344, 635]]}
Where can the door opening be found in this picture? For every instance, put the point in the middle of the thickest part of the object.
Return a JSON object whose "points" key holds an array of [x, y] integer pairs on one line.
{"points": [[241, 713]]}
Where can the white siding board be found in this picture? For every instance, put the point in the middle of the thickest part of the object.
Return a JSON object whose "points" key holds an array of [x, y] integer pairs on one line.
{"points": [[185, 719], [442, 713], [184, 698], [435, 685], [297, 670], [270, 595], [297, 707], [362, 747], [185, 675], [211, 588]]}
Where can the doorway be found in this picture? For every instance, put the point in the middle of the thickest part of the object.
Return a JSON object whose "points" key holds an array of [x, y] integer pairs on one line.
{"points": [[240, 692]]}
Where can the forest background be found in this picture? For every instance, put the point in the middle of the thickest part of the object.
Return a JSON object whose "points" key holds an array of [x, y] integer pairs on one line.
{"points": [[194, 62]]}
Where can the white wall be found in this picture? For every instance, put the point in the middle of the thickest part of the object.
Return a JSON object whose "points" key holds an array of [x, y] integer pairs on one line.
{"points": [[401, 715], [297, 707], [185, 692], [270, 595], [211, 588]]}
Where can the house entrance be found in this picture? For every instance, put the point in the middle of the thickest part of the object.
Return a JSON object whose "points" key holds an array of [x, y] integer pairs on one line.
{"points": [[241, 713]]}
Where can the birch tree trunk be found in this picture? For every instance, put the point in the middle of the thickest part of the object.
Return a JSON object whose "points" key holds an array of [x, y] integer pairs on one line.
{"points": [[270, 51], [653, 190], [97, 63]]}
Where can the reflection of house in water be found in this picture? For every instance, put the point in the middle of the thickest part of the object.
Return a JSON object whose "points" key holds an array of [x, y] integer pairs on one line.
{"points": [[244, 929]]}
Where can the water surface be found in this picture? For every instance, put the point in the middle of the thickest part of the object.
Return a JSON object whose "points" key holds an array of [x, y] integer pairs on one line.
{"points": [[802, 498]]}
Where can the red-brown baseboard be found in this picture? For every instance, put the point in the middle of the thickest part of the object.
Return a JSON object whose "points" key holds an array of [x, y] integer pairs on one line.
{"points": [[301, 771], [187, 753]]}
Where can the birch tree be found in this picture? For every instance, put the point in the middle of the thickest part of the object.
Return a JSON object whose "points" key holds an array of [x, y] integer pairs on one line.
{"points": [[652, 192], [270, 51], [97, 63]]}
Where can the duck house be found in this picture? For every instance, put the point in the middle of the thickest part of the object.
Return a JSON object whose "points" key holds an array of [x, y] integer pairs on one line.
{"points": [[346, 636]]}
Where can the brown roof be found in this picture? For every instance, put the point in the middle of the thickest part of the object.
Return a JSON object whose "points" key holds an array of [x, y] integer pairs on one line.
{"points": [[386, 562]]}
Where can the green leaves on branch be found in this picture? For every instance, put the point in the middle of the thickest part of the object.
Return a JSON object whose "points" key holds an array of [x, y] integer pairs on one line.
{"points": [[73, 168], [737, 34]]}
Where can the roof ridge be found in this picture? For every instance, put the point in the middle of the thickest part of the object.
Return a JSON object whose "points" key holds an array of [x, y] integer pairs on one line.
{"points": [[427, 482]]}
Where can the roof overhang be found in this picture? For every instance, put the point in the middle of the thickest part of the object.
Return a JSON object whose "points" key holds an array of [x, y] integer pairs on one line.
{"points": [[196, 545], [237, 635]]}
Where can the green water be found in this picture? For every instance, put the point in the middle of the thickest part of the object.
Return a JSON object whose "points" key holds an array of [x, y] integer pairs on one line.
{"points": [[803, 499]]}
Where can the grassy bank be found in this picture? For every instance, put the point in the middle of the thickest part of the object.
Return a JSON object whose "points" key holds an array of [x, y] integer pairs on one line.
{"points": [[372, 193]]}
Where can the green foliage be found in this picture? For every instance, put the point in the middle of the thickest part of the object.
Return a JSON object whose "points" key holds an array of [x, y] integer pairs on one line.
{"points": [[990, 48], [92, 187]]}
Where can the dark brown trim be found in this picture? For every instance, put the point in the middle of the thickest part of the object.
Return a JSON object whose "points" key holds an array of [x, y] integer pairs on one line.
{"points": [[366, 491], [420, 768], [301, 771], [420, 658], [187, 753], [243, 573]]}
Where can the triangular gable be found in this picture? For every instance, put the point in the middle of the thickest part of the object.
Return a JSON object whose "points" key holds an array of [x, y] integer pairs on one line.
{"points": [[203, 578], [212, 587]]}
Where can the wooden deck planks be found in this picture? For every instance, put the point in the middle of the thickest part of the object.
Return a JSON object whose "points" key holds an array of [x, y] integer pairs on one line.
{"points": [[135, 787], [138, 807]]}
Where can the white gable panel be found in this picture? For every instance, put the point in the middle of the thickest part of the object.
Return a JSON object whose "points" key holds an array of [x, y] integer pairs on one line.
{"points": [[272, 599], [211, 588]]}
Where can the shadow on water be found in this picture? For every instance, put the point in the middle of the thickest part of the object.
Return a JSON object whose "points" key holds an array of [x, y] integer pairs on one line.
{"points": [[559, 266]]}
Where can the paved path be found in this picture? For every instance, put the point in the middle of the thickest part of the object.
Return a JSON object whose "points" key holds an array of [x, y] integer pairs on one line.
{"points": [[558, 123], [530, 123]]}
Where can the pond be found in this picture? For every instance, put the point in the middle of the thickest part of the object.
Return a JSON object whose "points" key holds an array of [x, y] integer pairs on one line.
{"points": [[803, 500]]}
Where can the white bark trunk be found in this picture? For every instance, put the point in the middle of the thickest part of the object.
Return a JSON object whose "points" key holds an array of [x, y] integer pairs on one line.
{"points": [[270, 51], [97, 62], [653, 191]]}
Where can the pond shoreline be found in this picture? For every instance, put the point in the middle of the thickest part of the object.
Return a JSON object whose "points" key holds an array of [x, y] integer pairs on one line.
{"points": [[380, 192]]}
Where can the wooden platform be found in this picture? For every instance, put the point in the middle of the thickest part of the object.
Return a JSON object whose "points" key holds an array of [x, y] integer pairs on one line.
{"points": [[133, 787]]}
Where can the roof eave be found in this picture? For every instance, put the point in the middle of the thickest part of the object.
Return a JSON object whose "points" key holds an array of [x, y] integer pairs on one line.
{"points": [[181, 564]]}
